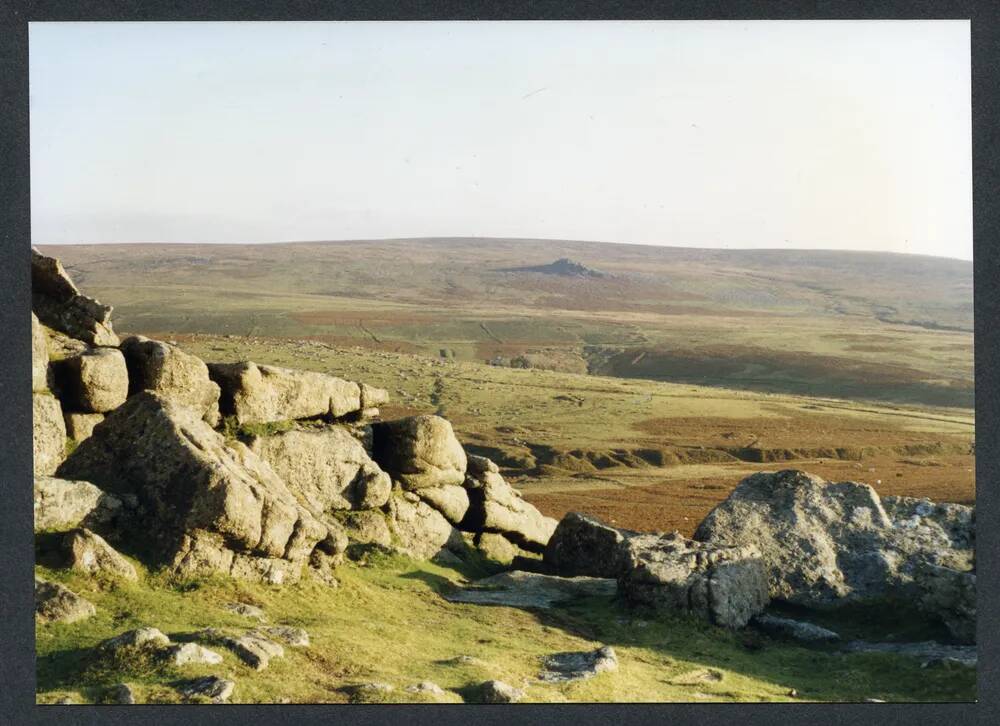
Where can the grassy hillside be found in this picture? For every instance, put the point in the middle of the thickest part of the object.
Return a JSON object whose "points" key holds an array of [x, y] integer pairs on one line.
{"points": [[387, 622], [843, 324]]}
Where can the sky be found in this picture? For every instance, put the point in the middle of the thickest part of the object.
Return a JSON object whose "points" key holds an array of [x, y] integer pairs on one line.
{"points": [[789, 134]]}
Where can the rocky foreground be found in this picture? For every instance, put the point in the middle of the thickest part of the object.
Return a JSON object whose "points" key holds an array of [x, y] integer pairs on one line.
{"points": [[272, 475]]}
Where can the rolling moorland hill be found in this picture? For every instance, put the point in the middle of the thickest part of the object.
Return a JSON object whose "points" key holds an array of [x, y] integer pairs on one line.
{"points": [[855, 325]]}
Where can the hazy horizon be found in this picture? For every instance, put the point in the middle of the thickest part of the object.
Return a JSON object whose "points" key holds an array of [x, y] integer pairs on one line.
{"points": [[506, 239], [798, 135]]}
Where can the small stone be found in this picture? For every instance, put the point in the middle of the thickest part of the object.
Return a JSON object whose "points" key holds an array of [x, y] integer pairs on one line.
{"points": [[295, 637], [792, 693], [786, 627], [188, 653], [122, 694], [135, 638], [500, 692], [213, 687], [246, 610], [573, 666], [426, 687], [252, 648]]}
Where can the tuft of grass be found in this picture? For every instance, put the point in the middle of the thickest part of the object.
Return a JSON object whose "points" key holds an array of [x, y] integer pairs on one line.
{"points": [[231, 429]]}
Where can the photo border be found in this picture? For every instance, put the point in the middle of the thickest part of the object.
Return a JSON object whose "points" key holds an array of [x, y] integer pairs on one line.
{"points": [[17, 660]]}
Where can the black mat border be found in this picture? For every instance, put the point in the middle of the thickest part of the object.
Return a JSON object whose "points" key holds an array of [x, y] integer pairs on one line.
{"points": [[17, 668]]}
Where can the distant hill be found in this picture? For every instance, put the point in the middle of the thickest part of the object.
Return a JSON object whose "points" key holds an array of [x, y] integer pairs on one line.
{"points": [[778, 320], [563, 266]]}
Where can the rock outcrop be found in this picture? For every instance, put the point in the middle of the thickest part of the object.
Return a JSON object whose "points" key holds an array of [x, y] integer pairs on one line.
{"points": [[48, 433], [172, 374], [58, 304], [208, 505], [419, 452], [262, 394], [61, 504], [825, 544], [327, 467]]}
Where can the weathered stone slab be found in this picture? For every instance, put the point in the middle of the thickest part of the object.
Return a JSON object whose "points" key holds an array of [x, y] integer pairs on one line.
{"points": [[261, 394], [532, 590]]}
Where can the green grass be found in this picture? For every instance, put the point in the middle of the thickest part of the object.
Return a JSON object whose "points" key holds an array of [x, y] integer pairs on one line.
{"points": [[232, 429], [387, 622]]}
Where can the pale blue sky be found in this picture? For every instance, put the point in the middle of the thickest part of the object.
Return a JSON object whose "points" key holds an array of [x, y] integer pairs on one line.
{"points": [[845, 135]]}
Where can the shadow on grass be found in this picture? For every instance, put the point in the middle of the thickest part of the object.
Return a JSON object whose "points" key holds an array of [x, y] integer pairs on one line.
{"points": [[814, 672]]}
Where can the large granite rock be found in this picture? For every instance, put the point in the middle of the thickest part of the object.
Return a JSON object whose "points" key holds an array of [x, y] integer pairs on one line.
{"points": [[451, 500], [39, 356], [209, 505], [826, 544], [726, 585], [418, 529], [327, 467], [48, 433], [261, 394], [95, 381], [58, 304], [88, 552], [582, 545], [495, 506], [61, 504], [419, 452], [55, 603], [171, 373]]}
